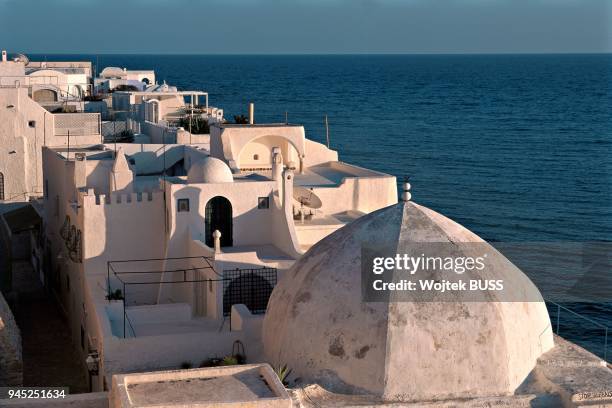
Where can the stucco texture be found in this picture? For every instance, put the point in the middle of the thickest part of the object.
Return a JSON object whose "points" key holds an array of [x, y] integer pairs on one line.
{"points": [[319, 326]]}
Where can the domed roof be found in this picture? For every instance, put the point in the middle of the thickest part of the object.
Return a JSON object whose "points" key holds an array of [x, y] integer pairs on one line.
{"points": [[161, 88], [209, 170], [319, 326], [109, 72]]}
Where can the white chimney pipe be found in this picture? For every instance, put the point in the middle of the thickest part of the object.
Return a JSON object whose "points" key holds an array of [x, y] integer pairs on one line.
{"points": [[3, 55], [251, 113]]}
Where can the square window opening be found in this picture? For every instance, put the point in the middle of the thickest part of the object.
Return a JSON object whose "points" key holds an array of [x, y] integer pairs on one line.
{"points": [[183, 205], [263, 203]]}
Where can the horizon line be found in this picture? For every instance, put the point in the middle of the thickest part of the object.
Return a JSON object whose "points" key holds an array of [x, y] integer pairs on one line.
{"points": [[459, 53]]}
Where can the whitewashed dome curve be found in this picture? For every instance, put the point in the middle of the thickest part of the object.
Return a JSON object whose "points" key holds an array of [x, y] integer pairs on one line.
{"points": [[317, 324], [209, 170]]}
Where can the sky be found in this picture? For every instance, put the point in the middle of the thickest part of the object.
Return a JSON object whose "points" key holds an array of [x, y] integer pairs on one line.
{"points": [[305, 26]]}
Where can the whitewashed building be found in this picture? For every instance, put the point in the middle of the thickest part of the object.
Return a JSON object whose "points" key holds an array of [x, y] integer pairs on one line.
{"points": [[146, 242], [26, 125]]}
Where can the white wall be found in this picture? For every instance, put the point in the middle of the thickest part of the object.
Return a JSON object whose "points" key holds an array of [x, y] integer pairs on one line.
{"points": [[250, 223], [24, 128], [360, 190], [228, 141]]}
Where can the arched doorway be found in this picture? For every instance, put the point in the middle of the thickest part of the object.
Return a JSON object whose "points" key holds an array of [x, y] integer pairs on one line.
{"points": [[250, 290], [77, 91], [218, 216], [1, 186]]}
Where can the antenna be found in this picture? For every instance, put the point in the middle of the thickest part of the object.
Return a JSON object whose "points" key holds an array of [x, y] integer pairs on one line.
{"points": [[286, 118], [327, 131], [68, 155], [190, 116]]}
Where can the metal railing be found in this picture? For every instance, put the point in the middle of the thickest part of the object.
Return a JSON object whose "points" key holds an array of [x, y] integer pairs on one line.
{"points": [[558, 325], [135, 277], [250, 287]]}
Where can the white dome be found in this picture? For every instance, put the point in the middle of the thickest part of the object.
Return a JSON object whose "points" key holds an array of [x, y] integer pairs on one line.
{"points": [[209, 170], [112, 72], [318, 325]]}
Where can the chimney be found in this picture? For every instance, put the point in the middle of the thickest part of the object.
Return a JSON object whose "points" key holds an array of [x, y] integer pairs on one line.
{"points": [[251, 113], [3, 55], [277, 164]]}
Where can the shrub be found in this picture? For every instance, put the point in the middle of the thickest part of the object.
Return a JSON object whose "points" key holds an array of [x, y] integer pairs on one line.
{"points": [[229, 361], [283, 373], [199, 125], [241, 120]]}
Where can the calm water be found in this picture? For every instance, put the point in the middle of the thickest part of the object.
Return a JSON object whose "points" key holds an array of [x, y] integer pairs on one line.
{"points": [[516, 148]]}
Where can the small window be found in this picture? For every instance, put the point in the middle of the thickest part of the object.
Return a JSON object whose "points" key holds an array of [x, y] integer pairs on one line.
{"points": [[255, 157], [32, 123], [263, 203], [183, 205]]}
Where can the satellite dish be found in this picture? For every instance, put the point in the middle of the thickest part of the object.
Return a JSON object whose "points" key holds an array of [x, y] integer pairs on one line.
{"points": [[22, 58], [306, 197]]}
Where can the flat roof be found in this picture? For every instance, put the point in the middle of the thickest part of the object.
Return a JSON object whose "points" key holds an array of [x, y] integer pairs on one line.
{"points": [[255, 385], [238, 125], [145, 93]]}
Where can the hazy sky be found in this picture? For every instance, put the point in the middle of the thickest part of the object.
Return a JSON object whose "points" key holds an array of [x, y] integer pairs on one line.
{"points": [[305, 26]]}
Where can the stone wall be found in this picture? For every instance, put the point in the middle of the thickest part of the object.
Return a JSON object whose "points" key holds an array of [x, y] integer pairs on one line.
{"points": [[11, 363]]}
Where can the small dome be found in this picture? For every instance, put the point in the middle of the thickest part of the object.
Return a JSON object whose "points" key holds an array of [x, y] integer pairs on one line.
{"points": [[112, 72], [161, 88], [209, 170], [318, 325]]}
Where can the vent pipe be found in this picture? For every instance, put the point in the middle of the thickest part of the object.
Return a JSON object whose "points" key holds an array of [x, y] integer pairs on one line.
{"points": [[251, 113], [3, 55]]}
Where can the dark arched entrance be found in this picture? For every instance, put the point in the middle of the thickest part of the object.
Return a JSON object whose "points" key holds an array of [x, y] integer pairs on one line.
{"points": [[218, 216], [250, 290]]}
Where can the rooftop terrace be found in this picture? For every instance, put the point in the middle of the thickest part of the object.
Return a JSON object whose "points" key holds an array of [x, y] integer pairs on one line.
{"points": [[236, 386]]}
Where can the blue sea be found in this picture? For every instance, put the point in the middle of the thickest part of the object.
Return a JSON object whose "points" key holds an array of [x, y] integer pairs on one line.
{"points": [[515, 147]]}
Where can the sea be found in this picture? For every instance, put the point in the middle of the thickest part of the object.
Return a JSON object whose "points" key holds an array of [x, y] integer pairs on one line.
{"points": [[517, 148]]}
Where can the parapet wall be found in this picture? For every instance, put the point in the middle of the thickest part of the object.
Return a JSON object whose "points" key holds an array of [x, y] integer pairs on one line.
{"points": [[159, 132], [121, 225], [120, 198]]}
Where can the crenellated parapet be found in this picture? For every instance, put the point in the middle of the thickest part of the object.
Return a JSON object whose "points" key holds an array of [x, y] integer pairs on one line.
{"points": [[113, 222], [90, 198]]}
